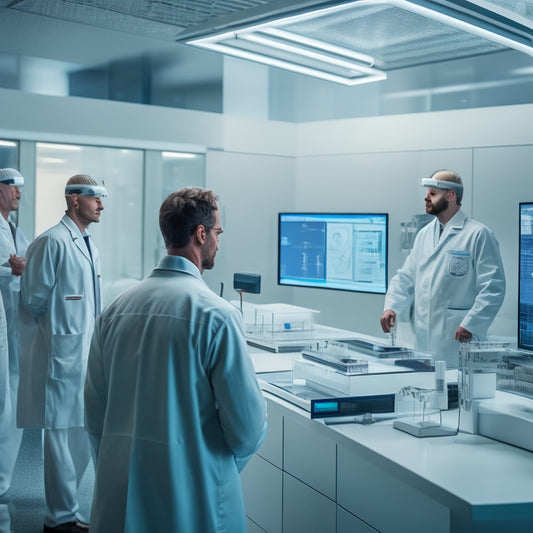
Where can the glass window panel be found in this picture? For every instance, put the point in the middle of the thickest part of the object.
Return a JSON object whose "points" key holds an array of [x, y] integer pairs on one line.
{"points": [[9, 154], [179, 169], [9, 158], [118, 236]]}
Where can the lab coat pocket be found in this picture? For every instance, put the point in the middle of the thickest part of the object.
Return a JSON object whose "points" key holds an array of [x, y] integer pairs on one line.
{"points": [[66, 356], [458, 263], [454, 317]]}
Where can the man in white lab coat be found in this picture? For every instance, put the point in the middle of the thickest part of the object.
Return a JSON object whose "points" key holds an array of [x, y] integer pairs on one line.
{"points": [[173, 407], [61, 288], [453, 277], [13, 246]]}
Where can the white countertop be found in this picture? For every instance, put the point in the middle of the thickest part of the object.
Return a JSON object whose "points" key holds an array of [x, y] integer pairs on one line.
{"points": [[476, 469]]}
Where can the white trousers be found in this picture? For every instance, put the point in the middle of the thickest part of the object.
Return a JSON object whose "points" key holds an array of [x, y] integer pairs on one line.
{"points": [[66, 457], [10, 440]]}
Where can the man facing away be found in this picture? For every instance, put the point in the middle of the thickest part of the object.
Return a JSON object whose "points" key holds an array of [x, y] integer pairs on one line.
{"points": [[173, 408], [61, 288], [453, 276], [13, 245]]}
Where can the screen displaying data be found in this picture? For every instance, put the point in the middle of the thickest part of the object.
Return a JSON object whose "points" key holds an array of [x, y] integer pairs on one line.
{"points": [[333, 251], [525, 270]]}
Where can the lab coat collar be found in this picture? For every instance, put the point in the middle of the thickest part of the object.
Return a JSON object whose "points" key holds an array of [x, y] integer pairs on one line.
{"points": [[179, 264], [77, 235], [4, 224], [457, 222]]}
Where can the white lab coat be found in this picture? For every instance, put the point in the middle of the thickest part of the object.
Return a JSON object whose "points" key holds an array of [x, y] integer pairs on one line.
{"points": [[173, 407], [457, 281], [61, 287], [6, 407], [10, 289]]}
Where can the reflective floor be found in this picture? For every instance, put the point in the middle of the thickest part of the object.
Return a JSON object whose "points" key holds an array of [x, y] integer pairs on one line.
{"points": [[26, 506]]}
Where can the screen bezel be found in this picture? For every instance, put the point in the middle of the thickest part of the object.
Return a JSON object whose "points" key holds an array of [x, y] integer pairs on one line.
{"points": [[336, 214], [519, 344]]}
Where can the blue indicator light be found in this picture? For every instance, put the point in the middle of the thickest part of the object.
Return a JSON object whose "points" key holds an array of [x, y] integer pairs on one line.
{"points": [[320, 407]]}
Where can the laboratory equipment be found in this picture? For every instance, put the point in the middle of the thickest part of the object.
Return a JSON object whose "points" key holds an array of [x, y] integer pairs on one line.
{"points": [[478, 364], [419, 410], [246, 283], [419, 413], [278, 319], [345, 251], [340, 372], [508, 417], [279, 327], [410, 229]]}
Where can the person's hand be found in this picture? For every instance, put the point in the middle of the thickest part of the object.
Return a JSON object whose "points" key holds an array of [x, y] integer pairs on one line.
{"points": [[462, 334], [17, 264], [388, 319]]}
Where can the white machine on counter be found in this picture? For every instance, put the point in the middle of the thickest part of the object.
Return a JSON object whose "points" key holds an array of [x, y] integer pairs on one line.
{"points": [[478, 365], [346, 379], [504, 416]]}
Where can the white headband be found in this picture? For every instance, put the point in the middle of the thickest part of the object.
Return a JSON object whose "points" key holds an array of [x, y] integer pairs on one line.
{"points": [[442, 184], [86, 190], [10, 176]]}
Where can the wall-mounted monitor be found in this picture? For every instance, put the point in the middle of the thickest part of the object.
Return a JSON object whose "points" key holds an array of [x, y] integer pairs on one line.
{"points": [[345, 251], [525, 277]]}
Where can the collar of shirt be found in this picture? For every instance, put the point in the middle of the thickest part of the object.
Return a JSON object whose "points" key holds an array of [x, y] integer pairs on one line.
{"points": [[179, 264], [74, 230]]}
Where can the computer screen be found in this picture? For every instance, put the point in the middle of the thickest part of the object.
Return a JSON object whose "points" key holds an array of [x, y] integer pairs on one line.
{"points": [[344, 251], [525, 277]]}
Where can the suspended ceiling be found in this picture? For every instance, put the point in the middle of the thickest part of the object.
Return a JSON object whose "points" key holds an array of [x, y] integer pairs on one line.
{"points": [[396, 39], [394, 35]]}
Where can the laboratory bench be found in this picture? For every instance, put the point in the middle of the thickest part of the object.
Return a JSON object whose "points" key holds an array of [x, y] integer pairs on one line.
{"points": [[309, 477]]}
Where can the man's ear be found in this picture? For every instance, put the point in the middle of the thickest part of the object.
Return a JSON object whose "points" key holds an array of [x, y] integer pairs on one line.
{"points": [[200, 234]]}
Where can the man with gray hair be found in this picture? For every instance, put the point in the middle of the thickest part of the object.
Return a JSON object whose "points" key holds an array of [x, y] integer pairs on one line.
{"points": [[61, 287], [453, 276], [13, 246]]}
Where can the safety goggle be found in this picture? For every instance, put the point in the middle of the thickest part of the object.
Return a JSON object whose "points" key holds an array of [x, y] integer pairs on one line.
{"points": [[18, 181], [86, 190], [441, 184]]}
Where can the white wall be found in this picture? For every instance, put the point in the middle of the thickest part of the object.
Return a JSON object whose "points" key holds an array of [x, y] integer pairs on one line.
{"points": [[375, 164], [262, 167]]}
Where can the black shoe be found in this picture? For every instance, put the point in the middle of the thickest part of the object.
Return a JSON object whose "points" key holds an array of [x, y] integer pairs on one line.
{"points": [[68, 527]]}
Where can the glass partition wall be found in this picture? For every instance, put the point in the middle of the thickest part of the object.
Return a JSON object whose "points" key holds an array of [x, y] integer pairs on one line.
{"points": [[127, 233], [9, 158], [118, 235]]}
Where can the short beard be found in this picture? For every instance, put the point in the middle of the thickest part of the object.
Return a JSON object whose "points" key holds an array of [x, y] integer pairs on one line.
{"points": [[439, 207]]}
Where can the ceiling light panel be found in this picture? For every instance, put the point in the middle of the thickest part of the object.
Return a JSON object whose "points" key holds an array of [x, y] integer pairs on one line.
{"points": [[394, 34]]}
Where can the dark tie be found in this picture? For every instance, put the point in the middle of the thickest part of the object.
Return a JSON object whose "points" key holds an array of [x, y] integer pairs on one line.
{"points": [[86, 239], [14, 233]]}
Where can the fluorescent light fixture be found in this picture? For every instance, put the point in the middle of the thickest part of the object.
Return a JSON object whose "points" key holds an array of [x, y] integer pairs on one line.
{"points": [[53, 160], [279, 43], [280, 48], [8, 143], [51, 146], [178, 155], [452, 19]]}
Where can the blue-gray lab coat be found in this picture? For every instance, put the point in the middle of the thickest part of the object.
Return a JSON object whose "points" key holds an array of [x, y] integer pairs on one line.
{"points": [[173, 407]]}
